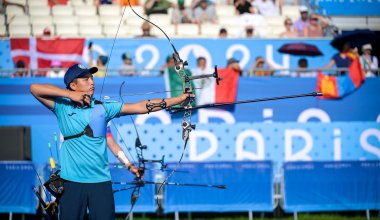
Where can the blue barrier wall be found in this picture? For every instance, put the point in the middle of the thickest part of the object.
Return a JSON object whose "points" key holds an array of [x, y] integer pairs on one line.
{"points": [[16, 187], [254, 136], [146, 201], [331, 186], [349, 7], [249, 187]]}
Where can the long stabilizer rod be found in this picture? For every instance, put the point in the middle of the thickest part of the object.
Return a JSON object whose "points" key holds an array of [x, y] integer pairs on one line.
{"points": [[180, 109], [170, 183]]}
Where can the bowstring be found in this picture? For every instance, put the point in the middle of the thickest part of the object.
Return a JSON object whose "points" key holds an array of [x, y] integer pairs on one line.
{"points": [[106, 73]]}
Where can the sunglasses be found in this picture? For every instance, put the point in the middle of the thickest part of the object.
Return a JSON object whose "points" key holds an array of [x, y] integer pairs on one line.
{"points": [[314, 19], [289, 24]]}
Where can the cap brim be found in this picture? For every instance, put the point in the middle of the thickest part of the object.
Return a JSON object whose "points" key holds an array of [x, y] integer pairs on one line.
{"points": [[92, 70]]}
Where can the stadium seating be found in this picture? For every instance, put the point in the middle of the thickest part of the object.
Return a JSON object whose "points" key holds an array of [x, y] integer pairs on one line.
{"points": [[2, 19], [374, 23], [84, 12], [38, 29], [90, 31], [160, 19], [13, 10], [188, 30], [110, 31], [39, 10], [110, 20], [38, 3], [210, 30], [3, 30], [109, 10], [350, 23], [88, 20], [67, 30], [18, 20], [41, 20], [62, 10], [20, 30], [66, 20]]}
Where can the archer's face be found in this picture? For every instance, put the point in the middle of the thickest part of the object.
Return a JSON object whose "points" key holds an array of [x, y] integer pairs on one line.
{"points": [[84, 84]]}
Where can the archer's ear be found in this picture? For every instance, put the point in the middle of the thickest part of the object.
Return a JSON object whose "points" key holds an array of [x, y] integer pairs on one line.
{"points": [[73, 85]]}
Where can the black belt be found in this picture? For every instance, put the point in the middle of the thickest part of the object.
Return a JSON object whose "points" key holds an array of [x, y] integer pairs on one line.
{"points": [[87, 131]]}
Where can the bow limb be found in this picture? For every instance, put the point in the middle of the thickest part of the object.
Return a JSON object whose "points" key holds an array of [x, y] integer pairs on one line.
{"points": [[141, 162]]}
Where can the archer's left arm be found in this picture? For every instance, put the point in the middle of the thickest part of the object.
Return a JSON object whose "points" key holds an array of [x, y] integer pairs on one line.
{"points": [[120, 155], [142, 107]]}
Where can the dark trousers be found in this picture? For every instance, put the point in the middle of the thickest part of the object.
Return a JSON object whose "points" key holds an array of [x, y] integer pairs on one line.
{"points": [[78, 197]]}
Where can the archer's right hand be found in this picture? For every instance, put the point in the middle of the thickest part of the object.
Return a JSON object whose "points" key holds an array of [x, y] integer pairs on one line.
{"points": [[80, 98]]}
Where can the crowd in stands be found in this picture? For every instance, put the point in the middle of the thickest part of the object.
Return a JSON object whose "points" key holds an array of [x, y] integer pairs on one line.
{"points": [[341, 61], [241, 18], [228, 19]]}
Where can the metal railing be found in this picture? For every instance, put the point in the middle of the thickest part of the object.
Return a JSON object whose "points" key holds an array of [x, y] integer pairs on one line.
{"points": [[116, 72]]}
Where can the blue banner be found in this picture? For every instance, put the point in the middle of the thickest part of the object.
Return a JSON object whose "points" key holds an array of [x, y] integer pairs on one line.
{"points": [[249, 187], [331, 186], [16, 187], [123, 188], [273, 126], [349, 7], [277, 142], [19, 107], [152, 53]]}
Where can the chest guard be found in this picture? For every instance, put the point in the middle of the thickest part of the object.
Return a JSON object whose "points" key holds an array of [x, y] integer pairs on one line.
{"points": [[97, 125]]}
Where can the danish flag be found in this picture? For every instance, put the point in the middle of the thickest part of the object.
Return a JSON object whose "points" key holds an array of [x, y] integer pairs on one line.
{"points": [[40, 52]]}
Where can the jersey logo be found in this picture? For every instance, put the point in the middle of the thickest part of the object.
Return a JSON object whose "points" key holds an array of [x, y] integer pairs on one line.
{"points": [[71, 114]]}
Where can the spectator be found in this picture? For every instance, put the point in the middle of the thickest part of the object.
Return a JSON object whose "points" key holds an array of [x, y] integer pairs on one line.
{"points": [[207, 84], [100, 63], [232, 63], [57, 2], [266, 7], [252, 20], [205, 13], [303, 22], [370, 63], [315, 29], [127, 68], [202, 67], [341, 59], [46, 32], [56, 70], [243, 6], [181, 14], [248, 32], [21, 71], [125, 2], [196, 3], [145, 28], [223, 33], [289, 29], [261, 68], [157, 7], [302, 69], [169, 63], [104, 2]]}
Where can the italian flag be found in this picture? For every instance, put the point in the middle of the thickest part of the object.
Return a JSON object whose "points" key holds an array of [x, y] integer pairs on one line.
{"points": [[206, 89]]}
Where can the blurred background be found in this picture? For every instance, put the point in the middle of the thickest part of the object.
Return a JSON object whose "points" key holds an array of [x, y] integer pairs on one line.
{"points": [[299, 158]]}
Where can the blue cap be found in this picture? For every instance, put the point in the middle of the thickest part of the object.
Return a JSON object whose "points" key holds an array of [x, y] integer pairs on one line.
{"points": [[77, 71]]}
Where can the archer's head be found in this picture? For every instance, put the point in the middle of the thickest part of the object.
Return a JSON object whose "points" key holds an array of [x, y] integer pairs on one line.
{"points": [[79, 78]]}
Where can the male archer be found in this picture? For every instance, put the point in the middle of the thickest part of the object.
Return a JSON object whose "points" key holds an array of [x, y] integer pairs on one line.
{"points": [[82, 121]]}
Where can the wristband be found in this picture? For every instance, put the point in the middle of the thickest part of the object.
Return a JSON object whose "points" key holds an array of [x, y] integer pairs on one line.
{"points": [[129, 167], [121, 156]]}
